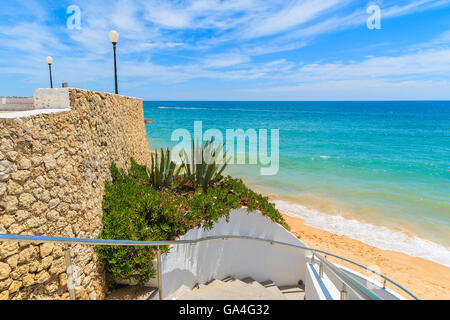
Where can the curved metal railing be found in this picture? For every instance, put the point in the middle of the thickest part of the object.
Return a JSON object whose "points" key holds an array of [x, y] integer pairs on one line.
{"points": [[360, 290]]}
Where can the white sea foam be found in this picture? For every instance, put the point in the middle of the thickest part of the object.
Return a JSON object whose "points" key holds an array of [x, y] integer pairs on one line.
{"points": [[184, 108], [219, 109], [377, 236]]}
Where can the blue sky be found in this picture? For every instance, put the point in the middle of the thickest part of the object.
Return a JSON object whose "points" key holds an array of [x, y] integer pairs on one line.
{"points": [[231, 50]]}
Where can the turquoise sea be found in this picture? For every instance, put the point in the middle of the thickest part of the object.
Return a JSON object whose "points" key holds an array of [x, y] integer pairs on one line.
{"points": [[378, 172]]}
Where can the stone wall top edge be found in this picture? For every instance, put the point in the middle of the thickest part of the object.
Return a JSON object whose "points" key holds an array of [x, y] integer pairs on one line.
{"points": [[102, 92]]}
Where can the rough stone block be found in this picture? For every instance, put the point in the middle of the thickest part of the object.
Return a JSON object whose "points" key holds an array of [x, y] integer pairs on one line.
{"points": [[5, 270]]}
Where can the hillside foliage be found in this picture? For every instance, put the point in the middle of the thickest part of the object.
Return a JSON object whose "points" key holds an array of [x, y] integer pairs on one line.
{"points": [[134, 208]]}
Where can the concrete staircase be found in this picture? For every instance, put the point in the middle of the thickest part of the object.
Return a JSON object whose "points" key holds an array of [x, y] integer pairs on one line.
{"points": [[245, 289]]}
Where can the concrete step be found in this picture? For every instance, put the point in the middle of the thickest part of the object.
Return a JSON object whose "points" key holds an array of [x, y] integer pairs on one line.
{"points": [[253, 283], [293, 292], [215, 290], [232, 289], [245, 291], [270, 286]]}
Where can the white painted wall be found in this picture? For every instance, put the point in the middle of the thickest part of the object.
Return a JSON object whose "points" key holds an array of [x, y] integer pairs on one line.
{"points": [[46, 101], [187, 265], [312, 288], [30, 113], [51, 99]]}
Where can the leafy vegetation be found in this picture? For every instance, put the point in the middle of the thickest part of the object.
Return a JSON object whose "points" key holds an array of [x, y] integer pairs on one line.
{"points": [[162, 204], [163, 171], [203, 166]]}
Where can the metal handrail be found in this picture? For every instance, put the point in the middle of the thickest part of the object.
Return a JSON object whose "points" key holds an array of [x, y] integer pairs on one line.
{"points": [[158, 244]]}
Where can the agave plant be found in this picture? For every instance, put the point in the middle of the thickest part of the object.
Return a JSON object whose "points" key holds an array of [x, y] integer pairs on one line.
{"points": [[164, 171], [202, 168]]}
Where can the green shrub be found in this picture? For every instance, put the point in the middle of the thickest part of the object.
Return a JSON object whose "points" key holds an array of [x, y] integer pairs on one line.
{"points": [[202, 167], [134, 210], [164, 171]]}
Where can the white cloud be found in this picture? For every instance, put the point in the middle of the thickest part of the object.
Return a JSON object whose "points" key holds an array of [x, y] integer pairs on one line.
{"points": [[353, 90], [225, 60], [180, 41], [125, 18], [167, 15], [31, 37], [411, 7], [198, 14], [294, 14], [340, 21], [430, 63]]}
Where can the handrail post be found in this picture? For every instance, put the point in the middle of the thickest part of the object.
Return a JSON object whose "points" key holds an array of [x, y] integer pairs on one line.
{"points": [[69, 270], [344, 293], [321, 269], [159, 271]]}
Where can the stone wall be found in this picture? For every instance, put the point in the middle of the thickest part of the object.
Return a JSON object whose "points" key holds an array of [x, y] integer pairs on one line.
{"points": [[52, 173]]}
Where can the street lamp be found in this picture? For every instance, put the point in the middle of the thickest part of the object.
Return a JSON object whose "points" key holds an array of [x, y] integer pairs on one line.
{"points": [[50, 61], [114, 37]]}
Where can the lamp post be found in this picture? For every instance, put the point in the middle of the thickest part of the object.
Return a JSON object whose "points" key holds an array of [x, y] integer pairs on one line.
{"points": [[114, 37], [50, 61]]}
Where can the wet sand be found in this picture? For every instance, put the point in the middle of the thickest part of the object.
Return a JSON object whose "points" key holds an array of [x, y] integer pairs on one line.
{"points": [[425, 279]]}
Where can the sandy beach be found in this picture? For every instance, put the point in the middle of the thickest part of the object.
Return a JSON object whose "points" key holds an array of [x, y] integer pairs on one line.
{"points": [[426, 279]]}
